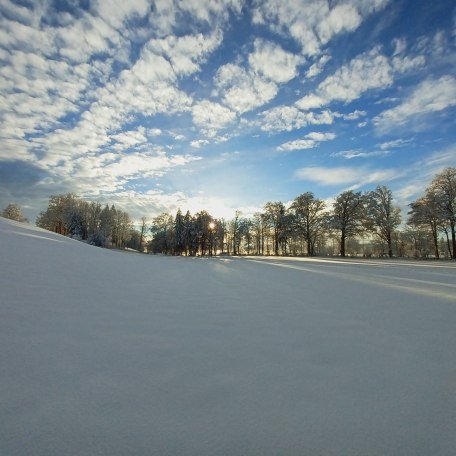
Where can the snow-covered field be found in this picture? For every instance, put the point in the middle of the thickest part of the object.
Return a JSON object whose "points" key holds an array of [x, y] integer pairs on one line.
{"points": [[111, 353]]}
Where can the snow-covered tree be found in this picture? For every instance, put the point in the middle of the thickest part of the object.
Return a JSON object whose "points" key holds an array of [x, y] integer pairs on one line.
{"points": [[13, 212]]}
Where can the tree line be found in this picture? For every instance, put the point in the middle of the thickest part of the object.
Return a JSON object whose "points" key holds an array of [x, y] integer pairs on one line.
{"points": [[355, 224], [88, 221]]}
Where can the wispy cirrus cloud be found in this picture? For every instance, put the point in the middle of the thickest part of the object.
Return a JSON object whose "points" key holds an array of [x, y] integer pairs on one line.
{"points": [[395, 143], [355, 177], [355, 153], [431, 95]]}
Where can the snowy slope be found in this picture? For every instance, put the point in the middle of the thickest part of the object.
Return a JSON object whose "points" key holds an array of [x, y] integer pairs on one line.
{"points": [[109, 353]]}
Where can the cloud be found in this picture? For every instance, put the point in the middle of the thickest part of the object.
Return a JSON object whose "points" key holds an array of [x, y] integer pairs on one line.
{"points": [[354, 115], [316, 68], [241, 90], [310, 141], [185, 53], [269, 65], [113, 170], [421, 173], [149, 87], [313, 23], [211, 117], [128, 139], [288, 118], [196, 144], [395, 143], [156, 201], [368, 71], [270, 61], [405, 64], [357, 177], [431, 95], [350, 154]]}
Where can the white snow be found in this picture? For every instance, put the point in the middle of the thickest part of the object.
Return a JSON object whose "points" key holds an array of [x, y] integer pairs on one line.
{"points": [[106, 353]]}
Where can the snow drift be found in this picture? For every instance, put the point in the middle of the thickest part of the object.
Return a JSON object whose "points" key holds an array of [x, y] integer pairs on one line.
{"points": [[110, 353]]}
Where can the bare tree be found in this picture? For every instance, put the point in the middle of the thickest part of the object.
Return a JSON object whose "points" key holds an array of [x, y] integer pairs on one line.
{"points": [[425, 212], [444, 188], [310, 218], [274, 217], [382, 217], [347, 216]]}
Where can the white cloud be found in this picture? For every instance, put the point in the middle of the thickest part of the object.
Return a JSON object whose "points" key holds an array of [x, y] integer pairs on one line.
{"points": [[395, 143], [113, 170], [154, 132], [270, 61], [128, 139], [210, 11], [431, 95], [317, 67], [350, 154], [313, 23], [149, 87], [405, 64], [243, 91], [368, 71], [354, 115], [343, 17], [298, 144], [400, 45], [311, 101], [310, 141], [288, 118], [211, 117], [283, 118], [197, 143], [115, 12], [187, 52], [357, 177]]}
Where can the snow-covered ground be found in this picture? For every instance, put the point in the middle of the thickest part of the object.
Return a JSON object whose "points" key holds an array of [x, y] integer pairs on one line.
{"points": [[106, 353]]}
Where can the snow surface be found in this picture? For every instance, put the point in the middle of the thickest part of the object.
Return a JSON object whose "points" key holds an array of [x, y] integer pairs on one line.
{"points": [[106, 353]]}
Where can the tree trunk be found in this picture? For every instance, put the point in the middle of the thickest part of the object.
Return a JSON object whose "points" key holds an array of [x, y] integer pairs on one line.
{"points": [[453, 239], [390, 247], [436, 242], [342, 245]]}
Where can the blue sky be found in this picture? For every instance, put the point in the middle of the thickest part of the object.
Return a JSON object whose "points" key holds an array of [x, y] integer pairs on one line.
{"points": [[223, 105]]}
